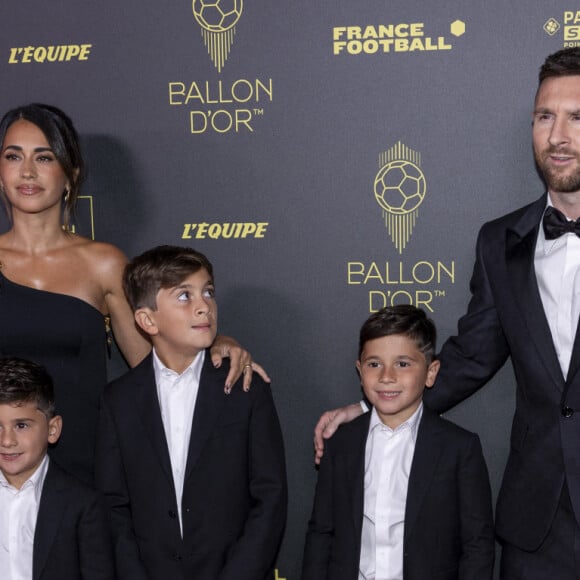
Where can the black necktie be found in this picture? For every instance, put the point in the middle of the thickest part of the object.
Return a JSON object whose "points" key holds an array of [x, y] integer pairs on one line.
{"points": [[556, 225]]}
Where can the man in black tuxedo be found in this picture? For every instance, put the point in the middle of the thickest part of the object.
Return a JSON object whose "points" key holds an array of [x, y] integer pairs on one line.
{"points": [[525, 305]]}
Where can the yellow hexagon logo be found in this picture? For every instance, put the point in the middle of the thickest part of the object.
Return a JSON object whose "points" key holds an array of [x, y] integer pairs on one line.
{"points": [[458, 28]]}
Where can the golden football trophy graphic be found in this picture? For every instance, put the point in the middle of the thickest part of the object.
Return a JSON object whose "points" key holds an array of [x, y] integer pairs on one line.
{"points": [[218, 19], [399, 189]]}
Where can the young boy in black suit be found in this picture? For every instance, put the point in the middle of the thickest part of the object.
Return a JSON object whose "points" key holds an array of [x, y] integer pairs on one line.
{"points": [[195, 477], [402, 494], [52, 526]]}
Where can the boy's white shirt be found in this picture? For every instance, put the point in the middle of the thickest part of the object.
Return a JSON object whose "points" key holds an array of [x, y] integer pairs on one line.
{"points": [[18, 514], [388, 459], [177, 394]]}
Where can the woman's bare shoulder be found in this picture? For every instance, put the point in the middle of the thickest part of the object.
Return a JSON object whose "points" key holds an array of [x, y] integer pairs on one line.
{"points": [[101, 255]]}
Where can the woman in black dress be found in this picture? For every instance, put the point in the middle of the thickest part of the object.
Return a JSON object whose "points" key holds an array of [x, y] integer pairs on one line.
{"points": [[58, 290]]}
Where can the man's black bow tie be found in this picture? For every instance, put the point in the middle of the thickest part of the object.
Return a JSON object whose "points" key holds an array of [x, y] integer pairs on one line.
{"points": [[556, 225]]}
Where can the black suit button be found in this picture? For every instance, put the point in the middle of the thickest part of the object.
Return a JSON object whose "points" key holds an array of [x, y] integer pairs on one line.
{"points": [[172, 514], [567, 412], [176, 557]]}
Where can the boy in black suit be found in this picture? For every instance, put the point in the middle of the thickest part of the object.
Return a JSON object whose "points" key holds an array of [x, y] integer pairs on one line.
{"points": [[402, 494], [52, 526], [195, 477]]}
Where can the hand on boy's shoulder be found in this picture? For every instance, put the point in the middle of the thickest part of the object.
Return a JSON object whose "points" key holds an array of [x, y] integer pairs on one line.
{"points": [[135, 379], [257, 382], [348, 435]]}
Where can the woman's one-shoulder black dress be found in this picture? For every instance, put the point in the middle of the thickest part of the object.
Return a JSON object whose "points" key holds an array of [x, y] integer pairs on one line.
{"points": [[68, 337]]}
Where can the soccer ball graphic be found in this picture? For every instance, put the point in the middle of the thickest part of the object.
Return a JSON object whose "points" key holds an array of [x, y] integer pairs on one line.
{"points": [[217, 15], [400, 187]]}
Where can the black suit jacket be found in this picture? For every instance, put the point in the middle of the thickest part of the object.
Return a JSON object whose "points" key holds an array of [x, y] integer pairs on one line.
{"points": [[505, 319], [234, 496], [72, 539], [448, 517]]}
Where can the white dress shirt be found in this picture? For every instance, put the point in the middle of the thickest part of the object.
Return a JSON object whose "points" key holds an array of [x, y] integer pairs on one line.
{"points": [[18, 513], [177, 395], [388, 459], [557, 265]]}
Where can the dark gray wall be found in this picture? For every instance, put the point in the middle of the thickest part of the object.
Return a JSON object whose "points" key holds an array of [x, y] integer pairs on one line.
{"points": [[312, 131]]}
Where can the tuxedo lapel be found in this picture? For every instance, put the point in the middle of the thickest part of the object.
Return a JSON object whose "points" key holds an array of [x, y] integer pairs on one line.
{"points": [[427, 451], [51, 511], [575, 359], [150, 413], [210, 399], [520, 249]]}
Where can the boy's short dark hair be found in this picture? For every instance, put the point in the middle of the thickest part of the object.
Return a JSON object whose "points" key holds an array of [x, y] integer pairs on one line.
{"points": [[402, 319], [160, 267], [22, 381]]}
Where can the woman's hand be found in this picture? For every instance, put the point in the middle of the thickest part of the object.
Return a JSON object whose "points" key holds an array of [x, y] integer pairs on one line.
{"points": [[240, 362]]}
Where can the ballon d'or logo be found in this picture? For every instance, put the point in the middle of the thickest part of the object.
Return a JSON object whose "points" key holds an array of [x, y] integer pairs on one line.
{"points": [[218, 19], [400, 189]]}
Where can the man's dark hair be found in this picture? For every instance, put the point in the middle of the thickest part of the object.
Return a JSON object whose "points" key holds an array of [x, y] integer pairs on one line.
{"points": [[565, 62]]}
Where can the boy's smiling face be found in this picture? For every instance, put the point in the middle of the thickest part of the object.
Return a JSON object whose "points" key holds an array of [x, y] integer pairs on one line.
{"points": [[25, 433], [185, 321], [394, 373]]}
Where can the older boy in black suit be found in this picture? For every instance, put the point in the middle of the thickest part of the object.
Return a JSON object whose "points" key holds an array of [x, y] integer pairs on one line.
{"points": [[52, 527], [195, 477], [402, 494]]}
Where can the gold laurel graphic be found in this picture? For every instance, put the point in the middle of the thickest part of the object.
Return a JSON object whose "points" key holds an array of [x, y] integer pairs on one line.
{"points": [[400, 227], [218, 45], [400, 219]]}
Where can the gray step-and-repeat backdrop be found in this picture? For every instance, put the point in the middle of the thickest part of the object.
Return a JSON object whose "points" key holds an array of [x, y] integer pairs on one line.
{"points": [[329, 157]]}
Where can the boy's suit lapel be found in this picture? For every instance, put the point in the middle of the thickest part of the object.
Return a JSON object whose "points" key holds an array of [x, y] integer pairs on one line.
{"points": [[425, 459], [210, 399], [51, 511], [355, 468], [150, 413]]}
